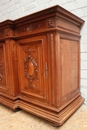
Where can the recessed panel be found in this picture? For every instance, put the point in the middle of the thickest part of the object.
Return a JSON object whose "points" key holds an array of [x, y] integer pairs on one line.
{"points": [[70, 67]]}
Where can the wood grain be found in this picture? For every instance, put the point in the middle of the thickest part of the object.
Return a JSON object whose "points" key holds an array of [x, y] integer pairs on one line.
{"points": [[40, 64]]}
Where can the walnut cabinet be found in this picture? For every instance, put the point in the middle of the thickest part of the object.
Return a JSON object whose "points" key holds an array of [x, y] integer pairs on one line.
{"points": [[40, 64]]}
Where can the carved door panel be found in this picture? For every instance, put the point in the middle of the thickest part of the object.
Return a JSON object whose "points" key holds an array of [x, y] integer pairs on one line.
{"points": [[3, 84], [32, 56]]}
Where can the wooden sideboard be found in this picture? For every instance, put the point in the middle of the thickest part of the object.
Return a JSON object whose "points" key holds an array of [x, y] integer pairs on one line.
{"points": [[40, 64]]}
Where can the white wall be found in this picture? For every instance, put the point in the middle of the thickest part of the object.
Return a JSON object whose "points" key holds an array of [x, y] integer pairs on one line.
{"points": [[13, 9]]}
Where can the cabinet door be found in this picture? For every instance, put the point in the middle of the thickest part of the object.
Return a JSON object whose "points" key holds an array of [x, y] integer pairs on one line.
{"points": [[8, 70], [33, 76], [3, 86]]}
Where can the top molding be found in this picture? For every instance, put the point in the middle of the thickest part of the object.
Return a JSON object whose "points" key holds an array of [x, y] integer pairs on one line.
{"points": [[50, 12], [48, 16]]}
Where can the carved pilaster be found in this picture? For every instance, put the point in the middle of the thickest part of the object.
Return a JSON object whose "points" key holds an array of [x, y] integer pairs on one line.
{"points": [[52, 64]]}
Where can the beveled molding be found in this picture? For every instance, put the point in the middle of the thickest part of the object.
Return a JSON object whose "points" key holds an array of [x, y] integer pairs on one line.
{"points": [[13, 104], [55, 118]]}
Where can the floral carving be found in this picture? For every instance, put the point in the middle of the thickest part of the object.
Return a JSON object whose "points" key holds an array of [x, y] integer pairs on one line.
{"points": [[1, 72], [52, 62], [6, 32], [32, 74], [52, 43], [30, 27], [51, 23]]}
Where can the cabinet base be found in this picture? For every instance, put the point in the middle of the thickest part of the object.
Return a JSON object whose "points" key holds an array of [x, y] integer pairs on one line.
{"points": [[57, 119], [13, 104]]}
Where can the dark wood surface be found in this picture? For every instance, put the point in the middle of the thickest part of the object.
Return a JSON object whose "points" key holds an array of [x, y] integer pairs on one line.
{"points": [[40, 64]]}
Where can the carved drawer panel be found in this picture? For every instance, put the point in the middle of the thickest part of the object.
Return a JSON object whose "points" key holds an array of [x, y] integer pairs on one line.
{"points": [[32, 65], [31, 28]]}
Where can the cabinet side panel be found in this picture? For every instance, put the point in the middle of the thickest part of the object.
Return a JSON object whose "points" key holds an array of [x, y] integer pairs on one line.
{"points": [[70, 68]]}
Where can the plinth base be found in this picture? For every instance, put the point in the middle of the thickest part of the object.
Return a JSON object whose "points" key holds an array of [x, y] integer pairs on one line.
{"points": [[56, 118]]}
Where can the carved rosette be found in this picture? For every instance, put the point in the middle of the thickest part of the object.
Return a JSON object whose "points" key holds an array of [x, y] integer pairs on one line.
{"points": [[1, 72], [30, 69], [51, 23], [7, 32]]}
